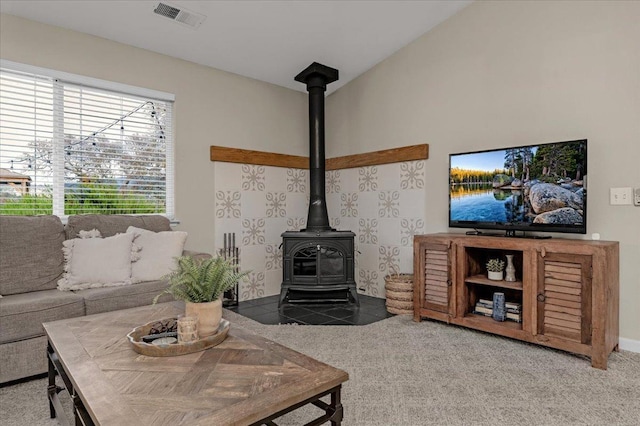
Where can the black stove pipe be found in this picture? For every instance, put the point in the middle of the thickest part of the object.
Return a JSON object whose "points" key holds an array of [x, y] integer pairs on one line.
{"points": [[316, 76]]}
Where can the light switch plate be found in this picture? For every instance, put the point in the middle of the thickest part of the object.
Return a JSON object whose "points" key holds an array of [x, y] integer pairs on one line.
{"points": [[621, 196]]}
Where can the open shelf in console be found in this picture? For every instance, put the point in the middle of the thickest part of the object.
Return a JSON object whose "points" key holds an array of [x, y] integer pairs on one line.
{"points": [[479, 289], [477, 292], [477, 258], [482, 280], [481, 319]]}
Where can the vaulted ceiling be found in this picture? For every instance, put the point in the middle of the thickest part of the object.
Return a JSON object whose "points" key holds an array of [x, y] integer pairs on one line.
{"points": [[267, 40]]}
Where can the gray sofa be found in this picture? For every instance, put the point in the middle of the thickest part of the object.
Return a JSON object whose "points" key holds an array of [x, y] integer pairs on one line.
{"points": [[32, 262]]}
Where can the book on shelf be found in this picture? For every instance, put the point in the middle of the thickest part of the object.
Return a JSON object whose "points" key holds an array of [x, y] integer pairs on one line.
{"points": [[510, 306], [514, 317], [515, 307], [483, 310]]}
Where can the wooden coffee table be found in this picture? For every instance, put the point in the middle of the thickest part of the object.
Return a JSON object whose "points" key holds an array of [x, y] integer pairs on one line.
{"points": [[246, 380]]}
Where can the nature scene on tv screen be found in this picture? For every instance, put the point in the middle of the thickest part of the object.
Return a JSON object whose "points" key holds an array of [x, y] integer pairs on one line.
{"points": [[532, 185]]}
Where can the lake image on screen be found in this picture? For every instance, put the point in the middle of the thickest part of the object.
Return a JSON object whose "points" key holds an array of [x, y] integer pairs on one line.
{"points": [[482, 203], [539, 184]]}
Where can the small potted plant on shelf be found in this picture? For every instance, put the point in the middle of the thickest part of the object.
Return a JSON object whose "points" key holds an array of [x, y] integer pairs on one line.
{"points": [[201, 284], [495, 268]]}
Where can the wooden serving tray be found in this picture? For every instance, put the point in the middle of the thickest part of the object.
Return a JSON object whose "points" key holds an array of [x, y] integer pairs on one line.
{"points": [[174, 349]]}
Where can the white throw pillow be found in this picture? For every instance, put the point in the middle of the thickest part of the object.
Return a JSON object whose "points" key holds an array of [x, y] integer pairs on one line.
{"points": [[158, 253], [93, 233], [97, 262]]}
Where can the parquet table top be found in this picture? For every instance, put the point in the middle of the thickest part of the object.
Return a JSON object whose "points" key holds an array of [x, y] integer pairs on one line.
{"points": [[244, 379]]}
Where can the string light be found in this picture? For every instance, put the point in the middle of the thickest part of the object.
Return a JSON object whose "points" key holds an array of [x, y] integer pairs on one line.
{"points": [[95, 134]]}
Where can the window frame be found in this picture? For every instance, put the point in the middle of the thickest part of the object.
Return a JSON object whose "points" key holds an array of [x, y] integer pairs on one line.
{"points": [[61, 77]]}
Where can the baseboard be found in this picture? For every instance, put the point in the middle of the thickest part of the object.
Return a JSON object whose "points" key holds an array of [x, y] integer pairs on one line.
{"points": [[629, 345]]}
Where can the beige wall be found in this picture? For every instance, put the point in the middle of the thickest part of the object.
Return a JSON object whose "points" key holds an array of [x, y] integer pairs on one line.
{"points": [[212, 107], [496, 74], [514, 73]]}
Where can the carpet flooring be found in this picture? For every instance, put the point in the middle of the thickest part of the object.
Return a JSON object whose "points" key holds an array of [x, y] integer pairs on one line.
{"points": [[406, 373]]}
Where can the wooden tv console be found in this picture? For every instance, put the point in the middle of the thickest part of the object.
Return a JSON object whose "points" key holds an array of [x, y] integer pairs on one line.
{"points": [[569, 289]]}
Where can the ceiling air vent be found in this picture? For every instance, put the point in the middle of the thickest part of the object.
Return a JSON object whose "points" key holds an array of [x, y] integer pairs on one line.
{"points": [[179, 14]]}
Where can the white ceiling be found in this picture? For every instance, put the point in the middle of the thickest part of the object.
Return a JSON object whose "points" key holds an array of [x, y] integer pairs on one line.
{"points": [[267, 40]]}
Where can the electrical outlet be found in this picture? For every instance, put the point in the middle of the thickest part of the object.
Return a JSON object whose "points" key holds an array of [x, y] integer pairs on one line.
{"points": [[621, 196], [636, 197]]}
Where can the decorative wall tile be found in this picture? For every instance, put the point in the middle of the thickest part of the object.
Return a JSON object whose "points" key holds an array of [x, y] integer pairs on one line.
{"points": [[368, 179], [297, 180], [409, 228], [389, 259], [368, 282], [368, 231], [349, 204], [274, 257], [412, 175], [227, 204], [296, 223], [388, 204], [253, 178], [253, 231], [253, 287], [276, 204], [332, 181]]}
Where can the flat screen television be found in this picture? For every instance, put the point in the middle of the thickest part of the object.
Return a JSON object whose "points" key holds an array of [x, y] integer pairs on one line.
{"points": [[524, 188]]}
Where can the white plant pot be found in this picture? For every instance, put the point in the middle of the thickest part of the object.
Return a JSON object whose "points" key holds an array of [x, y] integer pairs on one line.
{"points": [[495, 276], [209, 315]]}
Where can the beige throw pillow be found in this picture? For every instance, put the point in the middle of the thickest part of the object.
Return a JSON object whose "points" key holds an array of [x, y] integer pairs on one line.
{"points": [[158, 253], [97, 262]]}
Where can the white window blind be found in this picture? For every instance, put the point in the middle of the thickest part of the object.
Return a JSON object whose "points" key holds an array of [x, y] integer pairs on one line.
{"points": [[69, 148]]}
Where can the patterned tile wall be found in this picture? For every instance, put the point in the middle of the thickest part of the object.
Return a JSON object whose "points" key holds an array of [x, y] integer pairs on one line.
{"points": [[384, 205], [258, 203]]}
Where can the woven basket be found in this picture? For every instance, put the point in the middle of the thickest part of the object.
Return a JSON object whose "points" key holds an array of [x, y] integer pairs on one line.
{"points": [[399, 294]]}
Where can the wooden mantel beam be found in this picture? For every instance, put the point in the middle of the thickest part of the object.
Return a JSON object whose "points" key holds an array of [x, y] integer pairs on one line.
{"points": [[261, 158], [387, 156]]}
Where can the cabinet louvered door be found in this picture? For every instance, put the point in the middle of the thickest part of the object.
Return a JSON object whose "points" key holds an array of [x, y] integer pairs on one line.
{"points": [[437, 280], [564, 296]]}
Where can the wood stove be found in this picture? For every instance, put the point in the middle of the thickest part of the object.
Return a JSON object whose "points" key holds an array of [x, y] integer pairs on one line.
{"points": [[318, 261]]}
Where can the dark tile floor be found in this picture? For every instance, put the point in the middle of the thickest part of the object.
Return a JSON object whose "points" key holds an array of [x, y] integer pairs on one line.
{"points": [[265, 310]]}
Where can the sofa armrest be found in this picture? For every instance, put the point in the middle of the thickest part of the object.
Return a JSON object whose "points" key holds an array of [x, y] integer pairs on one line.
{"points": [[196, 254]]}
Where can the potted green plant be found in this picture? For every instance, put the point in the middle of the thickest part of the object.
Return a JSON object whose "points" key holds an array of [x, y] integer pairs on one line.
{"points": [[201, 284], [495, 268]]}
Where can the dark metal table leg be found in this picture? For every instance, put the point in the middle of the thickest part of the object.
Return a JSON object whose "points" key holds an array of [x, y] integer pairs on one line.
{"points": [[336, 419], [51, 389]]}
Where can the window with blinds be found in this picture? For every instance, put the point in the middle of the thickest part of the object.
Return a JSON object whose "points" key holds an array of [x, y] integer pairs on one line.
{"points": [[70, 148]]}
